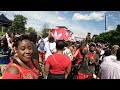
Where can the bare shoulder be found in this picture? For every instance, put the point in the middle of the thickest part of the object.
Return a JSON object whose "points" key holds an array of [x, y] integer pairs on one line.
{"points": [[13, 70]]}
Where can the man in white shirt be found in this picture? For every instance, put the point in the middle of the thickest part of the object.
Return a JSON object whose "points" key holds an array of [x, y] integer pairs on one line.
{"points": [[113, 56], [110, 68]]}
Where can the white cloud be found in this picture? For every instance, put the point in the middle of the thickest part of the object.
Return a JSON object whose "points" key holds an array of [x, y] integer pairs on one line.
{"points": [[82, 31], [110, 28], [60, 18], [36, 19], [97, 16]]}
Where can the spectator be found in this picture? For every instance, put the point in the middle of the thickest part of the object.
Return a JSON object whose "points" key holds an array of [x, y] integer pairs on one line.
{"points": [[111, 70], [35, 54], [58, 65], [21, 66], [50, 47], [5, 54], [68, 50]]}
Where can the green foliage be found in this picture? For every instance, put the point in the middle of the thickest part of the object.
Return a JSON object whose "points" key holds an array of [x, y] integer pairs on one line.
{"points": [[112, 37], [5, 29], [31, 29], [118, 27], [18, 25]]}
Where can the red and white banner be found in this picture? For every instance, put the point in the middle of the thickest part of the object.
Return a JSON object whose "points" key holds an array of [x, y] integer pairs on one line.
{"points": [[62, 34]]}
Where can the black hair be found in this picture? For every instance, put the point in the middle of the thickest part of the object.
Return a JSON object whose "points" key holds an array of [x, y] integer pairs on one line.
{"points": [[89, 33], [33, 37], [51, 39], [92, 45], [107, 52], [68, 43], [118, 54], [14, 33], [60, 44], [5, 46], [22, 37]]}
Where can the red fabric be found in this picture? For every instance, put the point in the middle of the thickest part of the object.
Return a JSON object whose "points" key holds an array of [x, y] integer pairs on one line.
{"points": [[24, 73], [83, 76], [91, 55], [61, 34], [42, 55], [80, 56], [63, 61], [78, 61]]}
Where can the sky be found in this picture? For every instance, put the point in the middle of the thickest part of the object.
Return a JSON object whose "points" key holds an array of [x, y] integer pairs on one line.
{"points": [[79, 22]]}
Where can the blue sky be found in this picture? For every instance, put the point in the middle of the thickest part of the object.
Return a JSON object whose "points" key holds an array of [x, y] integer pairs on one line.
{"points": [[79, 22]]}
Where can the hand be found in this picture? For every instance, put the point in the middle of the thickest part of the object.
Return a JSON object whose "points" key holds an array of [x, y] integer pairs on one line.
{"points": [[88, 38]]}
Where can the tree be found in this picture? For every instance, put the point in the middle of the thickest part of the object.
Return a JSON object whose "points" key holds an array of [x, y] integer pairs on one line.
{"points": [[45, 30], [18, 25], [31, 29], [112, 37], [118, 27]]}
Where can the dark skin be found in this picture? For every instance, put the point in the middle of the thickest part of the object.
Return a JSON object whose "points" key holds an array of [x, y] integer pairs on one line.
{"points": [[36, 64], [24, 51], [47, 66]]}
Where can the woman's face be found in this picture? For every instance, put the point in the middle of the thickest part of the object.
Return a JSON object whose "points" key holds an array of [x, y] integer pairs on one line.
{"points": [[24, 50]]}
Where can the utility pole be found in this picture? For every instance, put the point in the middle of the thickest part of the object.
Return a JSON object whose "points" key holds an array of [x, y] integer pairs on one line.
{"points": [[105, 23]]}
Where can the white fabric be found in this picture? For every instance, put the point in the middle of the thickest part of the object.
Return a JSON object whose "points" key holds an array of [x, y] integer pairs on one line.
{"points": [[48, 47], [68, 53], [44, 39], [39, 45], [109, 58], [110, 68], [8, 40], [102, 52]]}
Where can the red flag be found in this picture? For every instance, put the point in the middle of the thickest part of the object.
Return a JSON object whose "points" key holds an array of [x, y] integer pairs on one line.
{"points": [[62, 34], [59, 34]]}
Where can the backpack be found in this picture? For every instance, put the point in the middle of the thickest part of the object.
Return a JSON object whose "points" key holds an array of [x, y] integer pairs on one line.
{"points": [[42, 44]]}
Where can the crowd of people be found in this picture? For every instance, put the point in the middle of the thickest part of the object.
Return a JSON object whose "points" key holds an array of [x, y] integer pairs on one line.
{"points": [[30, 56]]}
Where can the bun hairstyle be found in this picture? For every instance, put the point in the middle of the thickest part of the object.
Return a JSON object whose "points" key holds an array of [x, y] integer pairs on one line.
{"points": [[20, 38]]}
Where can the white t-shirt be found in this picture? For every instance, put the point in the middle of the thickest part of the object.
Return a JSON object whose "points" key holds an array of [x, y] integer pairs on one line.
{"points": [[109, 59], [48, 47], [108, 67], [111, 70]]}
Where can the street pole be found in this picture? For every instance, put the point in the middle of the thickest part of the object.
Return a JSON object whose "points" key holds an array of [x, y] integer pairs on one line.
{"points": [[105, 23]]}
